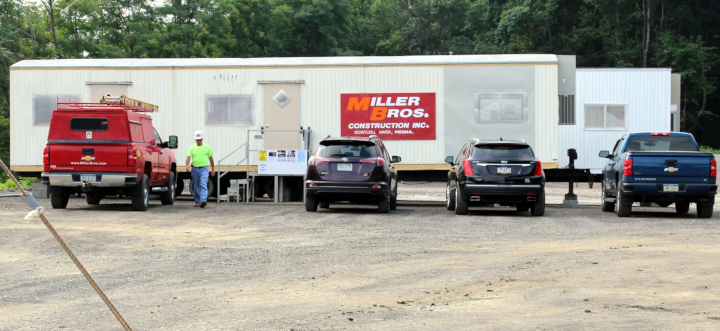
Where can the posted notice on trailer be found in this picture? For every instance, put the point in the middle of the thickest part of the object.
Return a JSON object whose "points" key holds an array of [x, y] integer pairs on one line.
{"points": [[390, 116]]}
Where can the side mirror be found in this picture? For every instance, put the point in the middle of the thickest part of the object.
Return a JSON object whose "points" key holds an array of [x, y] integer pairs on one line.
{"points": [[396, 159], [172, 142], [604, 154], [449, 159]]}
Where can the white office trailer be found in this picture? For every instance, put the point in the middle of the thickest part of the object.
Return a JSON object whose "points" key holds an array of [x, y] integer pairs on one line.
{"points": [[423, 107], [610, 102]]}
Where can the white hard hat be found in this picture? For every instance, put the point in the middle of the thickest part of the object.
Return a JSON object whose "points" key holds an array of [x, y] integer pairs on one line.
{"points": [[198, 135]]}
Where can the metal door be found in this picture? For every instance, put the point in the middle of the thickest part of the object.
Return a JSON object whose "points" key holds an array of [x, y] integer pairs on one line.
{"points": [[281, 103]]}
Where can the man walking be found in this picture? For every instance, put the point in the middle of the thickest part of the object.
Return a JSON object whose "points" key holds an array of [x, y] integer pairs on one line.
{"points": [[201, 155]]}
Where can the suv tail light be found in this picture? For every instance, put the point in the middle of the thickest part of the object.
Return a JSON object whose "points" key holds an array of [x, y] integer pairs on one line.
{"points": [[314, 160], [713, 168], [46, 158], [467, 168], [538, 169], [376, 160], [627, 167], [132, 156]]}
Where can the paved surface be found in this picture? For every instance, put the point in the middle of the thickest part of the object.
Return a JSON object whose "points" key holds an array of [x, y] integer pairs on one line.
{"points": [[270, 267]]}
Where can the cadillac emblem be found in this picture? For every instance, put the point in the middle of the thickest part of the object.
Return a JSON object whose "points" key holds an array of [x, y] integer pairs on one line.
{"points": [[344, 159], [671, 169]]}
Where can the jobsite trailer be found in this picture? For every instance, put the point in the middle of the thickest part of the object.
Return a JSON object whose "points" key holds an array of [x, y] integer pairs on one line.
{"points": [[423, 107]]}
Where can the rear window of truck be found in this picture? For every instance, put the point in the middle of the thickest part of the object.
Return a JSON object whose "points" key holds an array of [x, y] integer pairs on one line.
{"points": [[88, 124], [502, 152], [347, 149], [660, 144]]}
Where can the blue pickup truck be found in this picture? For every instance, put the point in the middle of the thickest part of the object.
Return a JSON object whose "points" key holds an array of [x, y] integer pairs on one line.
{"points": [[659, 167]]}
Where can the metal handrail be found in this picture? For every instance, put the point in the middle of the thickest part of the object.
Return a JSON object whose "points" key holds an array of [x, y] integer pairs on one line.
{"points": [[221, 175]]}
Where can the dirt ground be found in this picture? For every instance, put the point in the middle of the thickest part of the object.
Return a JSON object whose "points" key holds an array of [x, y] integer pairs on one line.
{"points": [[276, 267]]}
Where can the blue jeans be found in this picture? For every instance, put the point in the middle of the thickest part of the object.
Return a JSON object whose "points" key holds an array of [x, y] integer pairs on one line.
{"points": [[200, 183]]}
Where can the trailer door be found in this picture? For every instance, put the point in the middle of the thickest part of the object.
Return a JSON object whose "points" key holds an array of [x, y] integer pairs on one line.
{"points": [[281, 104]]}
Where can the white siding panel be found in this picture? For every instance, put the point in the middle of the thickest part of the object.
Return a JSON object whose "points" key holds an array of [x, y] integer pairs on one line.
{"points": [[28, 140], [646, 92], [546, 114]]}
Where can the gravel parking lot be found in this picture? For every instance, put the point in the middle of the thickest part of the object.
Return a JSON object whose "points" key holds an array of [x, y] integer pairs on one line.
{"points": [[276, 267]]}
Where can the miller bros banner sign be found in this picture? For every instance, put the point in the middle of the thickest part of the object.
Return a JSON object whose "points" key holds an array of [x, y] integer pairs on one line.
{"points": [[390, 116]]}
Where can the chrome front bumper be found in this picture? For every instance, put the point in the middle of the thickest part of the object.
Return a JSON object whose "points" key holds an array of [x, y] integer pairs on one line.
{"points": [[104, 179]]}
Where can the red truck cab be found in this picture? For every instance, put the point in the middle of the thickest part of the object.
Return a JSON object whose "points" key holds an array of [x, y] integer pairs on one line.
{"points": [[108, 148]]}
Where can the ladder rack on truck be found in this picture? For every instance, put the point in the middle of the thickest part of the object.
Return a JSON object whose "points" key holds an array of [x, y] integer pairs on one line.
{"points": [[109, 102]]}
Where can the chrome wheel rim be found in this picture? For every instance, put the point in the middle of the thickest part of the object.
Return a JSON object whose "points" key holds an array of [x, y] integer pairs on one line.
{"points": [[447, 196]]}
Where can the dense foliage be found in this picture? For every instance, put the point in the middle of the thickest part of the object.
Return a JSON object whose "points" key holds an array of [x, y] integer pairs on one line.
{"points": [[679, 34]]}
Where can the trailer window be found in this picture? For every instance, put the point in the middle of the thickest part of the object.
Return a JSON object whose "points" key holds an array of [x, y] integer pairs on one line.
{"points": [[500, 107], [228, 109], [502, 152], [43, 106], [88, 124], [605, 117], [660, 144]]}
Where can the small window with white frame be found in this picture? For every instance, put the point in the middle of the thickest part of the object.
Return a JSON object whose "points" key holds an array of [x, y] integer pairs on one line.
{"points": [[228, 109], [605, 117], [44, 105], [500, 107]]}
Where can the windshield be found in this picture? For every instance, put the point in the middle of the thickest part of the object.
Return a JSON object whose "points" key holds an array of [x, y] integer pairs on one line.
{"points": [[660, 144], [502, 152], [347, 149]]}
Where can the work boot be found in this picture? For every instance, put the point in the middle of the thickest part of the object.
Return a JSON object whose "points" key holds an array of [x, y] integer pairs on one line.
{"points": [[203, 204], [197, 205]]}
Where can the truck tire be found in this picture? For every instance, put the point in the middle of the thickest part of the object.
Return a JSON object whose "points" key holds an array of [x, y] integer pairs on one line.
{"points": [[168, 197], [310, 204], [179, 187], [624, 208], [92, 199], [59, 200], [450, 196], [682, 207], [384, 204], [141, 197], [705, 209], [606, 206], [461, 205], [538, 208]]}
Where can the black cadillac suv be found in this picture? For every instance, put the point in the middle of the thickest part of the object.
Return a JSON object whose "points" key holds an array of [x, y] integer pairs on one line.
{"points": [[353, 169], [495, 172]]}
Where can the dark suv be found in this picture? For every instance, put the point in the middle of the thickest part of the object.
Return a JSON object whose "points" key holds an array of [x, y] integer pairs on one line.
{"points": [[498, 171], [354, 169]]}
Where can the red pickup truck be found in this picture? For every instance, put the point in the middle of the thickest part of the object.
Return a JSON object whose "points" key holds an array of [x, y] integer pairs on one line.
{"points": [[108, 148]]}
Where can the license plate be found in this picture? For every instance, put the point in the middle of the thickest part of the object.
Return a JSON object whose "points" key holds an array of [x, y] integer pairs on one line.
{"points": [[671, 187], [504, 170], [87, 178], [344, 166]]}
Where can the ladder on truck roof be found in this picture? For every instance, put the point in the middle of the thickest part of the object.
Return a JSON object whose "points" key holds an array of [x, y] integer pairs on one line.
{"points": [[113, 101]]}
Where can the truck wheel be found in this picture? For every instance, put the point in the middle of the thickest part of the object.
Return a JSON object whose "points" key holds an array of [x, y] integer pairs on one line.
{"points": [[705, 209], [624, 208], [168, 197], [92, 199], [450, 196], [141, 197], [682, 207], [461, 205], [310, 204], [59, 200], [538, 208], [606, 206], [384, 204]]}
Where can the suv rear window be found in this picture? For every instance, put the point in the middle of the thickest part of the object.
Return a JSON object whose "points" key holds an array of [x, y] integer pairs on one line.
{"points": [[503, 152], [660, 143], [88, 124], [346, 149]]}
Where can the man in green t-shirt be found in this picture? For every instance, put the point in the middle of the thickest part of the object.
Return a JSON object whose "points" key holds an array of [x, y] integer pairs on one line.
{"points": [[201, 155]]}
